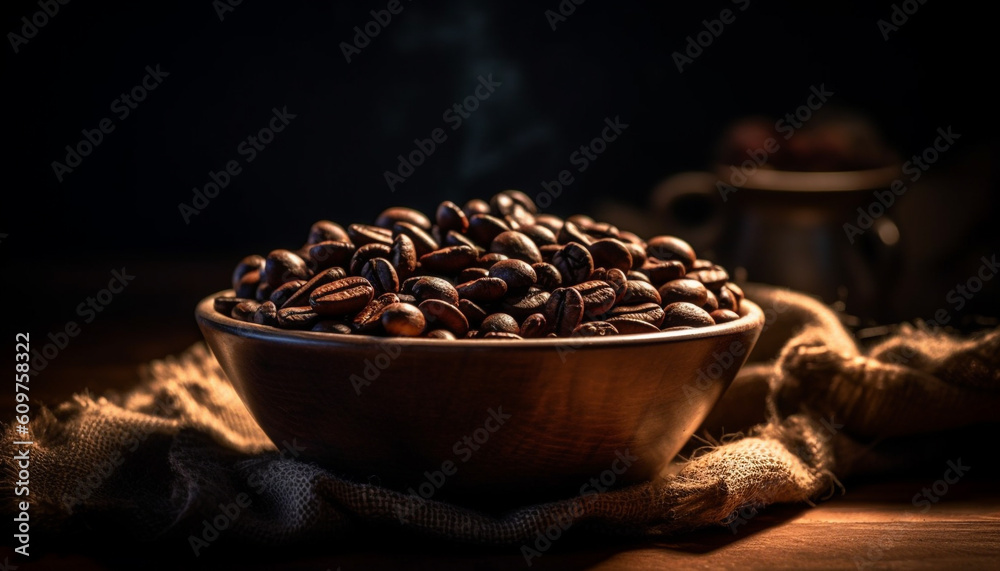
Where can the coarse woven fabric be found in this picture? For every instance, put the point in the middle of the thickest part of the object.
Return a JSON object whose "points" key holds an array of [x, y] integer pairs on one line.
{"points": [[160, 459]]}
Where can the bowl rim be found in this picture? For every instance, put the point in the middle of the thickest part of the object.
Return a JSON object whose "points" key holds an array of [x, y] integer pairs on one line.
{"points": [[751, 317]]}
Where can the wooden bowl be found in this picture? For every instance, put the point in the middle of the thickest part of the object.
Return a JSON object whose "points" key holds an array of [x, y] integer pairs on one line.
{"points": [[472, 418]]}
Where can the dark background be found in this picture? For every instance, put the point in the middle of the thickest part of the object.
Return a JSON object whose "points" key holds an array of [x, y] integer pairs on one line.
{"points": [[120, 207]]}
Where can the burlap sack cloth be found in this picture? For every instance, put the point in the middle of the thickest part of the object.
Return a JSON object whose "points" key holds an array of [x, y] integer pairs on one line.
{"points": [[159, 460]]}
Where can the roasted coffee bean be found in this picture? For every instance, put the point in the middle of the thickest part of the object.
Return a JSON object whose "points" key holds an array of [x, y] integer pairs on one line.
{"points": [[264, 291], [282, 266], [473, 273], [390, 216], [331, 326], [713, 278], [443, 315], [441, 334], [301, 295], [637, 276], [547, 276], [520, 306], [564, 310], [482, 290], [369, 319], [429, 287], [548, 251], [629, 326], [403, 320], [499, 322], [266, 314], [403, 256], [476, 206], [687, 314], [598, 274], [406, 288], [225, 304], [449, 260], [503, 206], [285, 292], [574, 263], [342, 297], [726, 298], [534, 326], [721, 316], [517, 274], [570, 232], [247, 286], [684, 289], [450, 217], [472, 312], [523, 199], [610, 253], [618, 282], [631, 238], [598, 297], [361, 234], [712, 303], [737, 292], [660, 272], [380, 273], [539, 234], [330, 254], [423, 243], [638, 253], [245, 310], [702, 265], [247, 266], [551, 222], [483, 228], [453, 238], [407, 298], [602, 230], [326, 231], [516, 246], [666, 248], [595, 329], [297, 318], [502, 335], [365, 253], [639, 292], [649, 312], [486, 261], [581, 220]]}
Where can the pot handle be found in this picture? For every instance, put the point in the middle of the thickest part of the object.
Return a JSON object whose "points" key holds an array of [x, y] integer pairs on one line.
{"points": [[691, 206]]}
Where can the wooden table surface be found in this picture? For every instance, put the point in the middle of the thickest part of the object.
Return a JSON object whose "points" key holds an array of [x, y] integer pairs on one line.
{"points": [[873, 525]]}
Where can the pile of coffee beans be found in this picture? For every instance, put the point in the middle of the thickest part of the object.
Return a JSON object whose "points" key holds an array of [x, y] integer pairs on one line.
{"points": [[493, 270]]}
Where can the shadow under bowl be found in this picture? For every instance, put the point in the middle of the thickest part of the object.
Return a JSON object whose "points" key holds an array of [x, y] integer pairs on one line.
{"points": [[482, 421]]}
